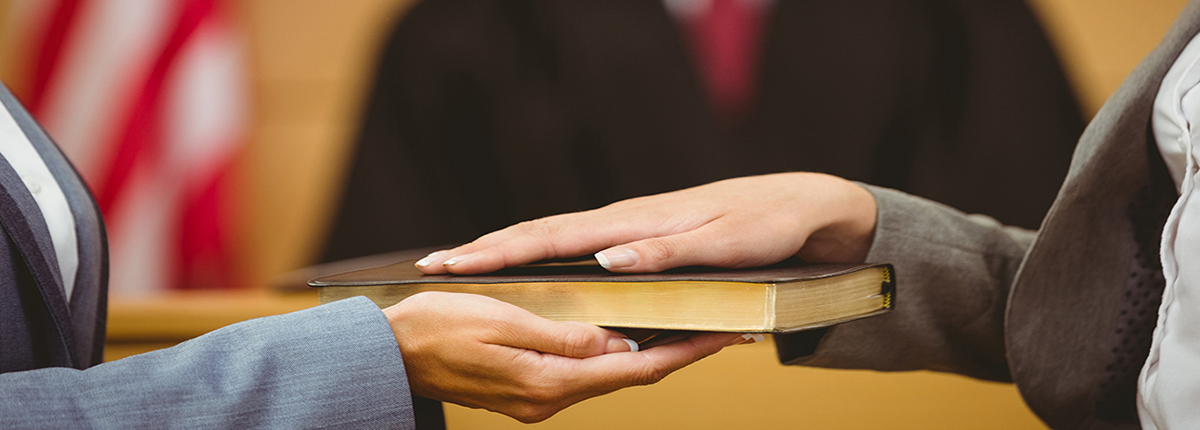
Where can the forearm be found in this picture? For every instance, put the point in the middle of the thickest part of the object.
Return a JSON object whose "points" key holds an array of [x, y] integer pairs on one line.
{"points": [[330, 366], [953, 274]]}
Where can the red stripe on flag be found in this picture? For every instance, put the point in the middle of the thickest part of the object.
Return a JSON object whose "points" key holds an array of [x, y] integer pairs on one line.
{"points": [[195, 243], [49, 52], [205, 257], [140, 140]]}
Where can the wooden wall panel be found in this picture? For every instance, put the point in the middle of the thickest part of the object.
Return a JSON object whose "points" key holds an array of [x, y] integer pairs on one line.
{"points": [[1101, 41], [312, 62]]}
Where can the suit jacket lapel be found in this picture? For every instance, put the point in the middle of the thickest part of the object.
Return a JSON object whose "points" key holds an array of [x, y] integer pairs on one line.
{"points": [[88, 303], [1064, 307], [23, 222]]}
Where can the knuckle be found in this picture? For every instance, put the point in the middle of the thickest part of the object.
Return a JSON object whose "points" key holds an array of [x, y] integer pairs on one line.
{"points": [[539, 228], [652, 372], [578, 343], [540, 235], [526, 226], [660, 251], [657, 374]]}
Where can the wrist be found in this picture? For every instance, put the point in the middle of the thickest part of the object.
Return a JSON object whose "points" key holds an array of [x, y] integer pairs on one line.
{"points": [[849, 230], [395, 319]]}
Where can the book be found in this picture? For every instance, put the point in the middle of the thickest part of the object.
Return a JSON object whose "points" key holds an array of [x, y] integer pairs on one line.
{"points": [[785, 297]]}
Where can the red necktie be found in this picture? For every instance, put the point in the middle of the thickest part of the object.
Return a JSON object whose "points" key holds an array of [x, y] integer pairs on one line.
{"points": [[726, 41]]}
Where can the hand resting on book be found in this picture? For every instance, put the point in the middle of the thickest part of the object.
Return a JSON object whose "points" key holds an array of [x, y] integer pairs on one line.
{"points": [[480, 352], [742, 222]]}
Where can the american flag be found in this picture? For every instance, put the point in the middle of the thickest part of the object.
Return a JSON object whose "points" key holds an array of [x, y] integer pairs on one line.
{"points": [[148, 100]]}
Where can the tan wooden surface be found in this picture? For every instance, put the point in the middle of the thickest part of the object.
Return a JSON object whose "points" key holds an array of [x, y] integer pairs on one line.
{"points": [[137, 325]]}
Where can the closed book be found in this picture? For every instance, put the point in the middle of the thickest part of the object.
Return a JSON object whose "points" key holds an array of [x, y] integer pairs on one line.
{"points": [[785, 297]]}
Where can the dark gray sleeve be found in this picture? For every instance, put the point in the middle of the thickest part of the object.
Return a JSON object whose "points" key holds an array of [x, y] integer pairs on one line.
{"points": [[953, 273], [333, 366]]}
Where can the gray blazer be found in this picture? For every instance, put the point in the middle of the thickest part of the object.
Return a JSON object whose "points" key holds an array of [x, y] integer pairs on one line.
{"points": [[334, 366], [1052, 312], [39, 328]]}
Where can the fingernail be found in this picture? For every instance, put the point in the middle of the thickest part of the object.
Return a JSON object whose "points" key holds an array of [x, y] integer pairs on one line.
{"points": [[456, 260], [753, 337], [747, 338], [617, 258], [621, 344], [424, 262]]}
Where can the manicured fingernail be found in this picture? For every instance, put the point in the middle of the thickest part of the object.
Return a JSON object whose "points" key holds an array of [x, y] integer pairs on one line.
{"points": [[747, 338], [424, 262], [620, 344], [633, 346], [617, 258], [456, 260]]}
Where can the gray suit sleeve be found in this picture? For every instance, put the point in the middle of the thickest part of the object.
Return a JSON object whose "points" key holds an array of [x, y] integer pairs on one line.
{"points": [[953, 273], [333, 366]]}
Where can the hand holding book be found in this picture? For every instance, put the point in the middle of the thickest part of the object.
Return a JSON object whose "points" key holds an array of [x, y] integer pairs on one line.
{"points": [[484, 353], [735, 223]]}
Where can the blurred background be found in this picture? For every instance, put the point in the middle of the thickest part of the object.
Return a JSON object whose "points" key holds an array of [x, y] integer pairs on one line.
{"points": [[218, 136]]}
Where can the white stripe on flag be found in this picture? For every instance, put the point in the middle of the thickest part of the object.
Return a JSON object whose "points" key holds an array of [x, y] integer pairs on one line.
{"points": [[206, 101], [99, 76], [104, 65], [205, 118]]}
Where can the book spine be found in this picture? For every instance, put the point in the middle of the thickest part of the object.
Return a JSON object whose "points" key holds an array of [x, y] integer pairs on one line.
{"points": [[888, 289]]}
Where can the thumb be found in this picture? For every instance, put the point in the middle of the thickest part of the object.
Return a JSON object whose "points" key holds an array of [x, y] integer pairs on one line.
{"points": [[568, 339], [616, 371], [661, 253]]}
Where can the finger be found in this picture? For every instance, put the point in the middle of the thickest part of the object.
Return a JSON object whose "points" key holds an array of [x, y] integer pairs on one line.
{"points": [[435, 263], [620, 342], [611, 372], [561, 236], [721, 243], [520, 243], [525, 330], [433, 260], [566, 381], [517, 250]]}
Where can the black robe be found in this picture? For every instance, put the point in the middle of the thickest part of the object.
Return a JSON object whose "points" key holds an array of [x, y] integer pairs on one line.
{"points": [[490, 112]]}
